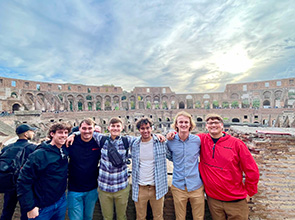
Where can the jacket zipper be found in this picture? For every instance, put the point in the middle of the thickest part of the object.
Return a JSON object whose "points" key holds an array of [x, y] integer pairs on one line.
{"points": [[213, 151]]}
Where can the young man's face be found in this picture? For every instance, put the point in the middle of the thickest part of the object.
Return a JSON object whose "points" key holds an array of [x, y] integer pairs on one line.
{"points": [[59, 137], [183, 123], [115, 129], [214, 127], [145, 132], [86, 131]]}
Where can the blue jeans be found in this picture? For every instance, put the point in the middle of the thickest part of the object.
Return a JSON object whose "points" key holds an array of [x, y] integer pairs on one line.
{"points": [[56, 211], [81, 204]]}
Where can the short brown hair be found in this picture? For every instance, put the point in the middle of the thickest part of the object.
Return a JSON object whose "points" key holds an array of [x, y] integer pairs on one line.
{"points": [[143, 121], [183, 113], [87, 121], [59, 126], [213, 116], [115, 120]]}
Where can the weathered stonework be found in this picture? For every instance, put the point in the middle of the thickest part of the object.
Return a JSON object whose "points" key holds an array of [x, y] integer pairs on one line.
{"points": [[255, 98]]}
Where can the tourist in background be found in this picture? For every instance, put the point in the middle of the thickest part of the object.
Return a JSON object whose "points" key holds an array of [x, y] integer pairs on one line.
{"points": [[24, 133]]}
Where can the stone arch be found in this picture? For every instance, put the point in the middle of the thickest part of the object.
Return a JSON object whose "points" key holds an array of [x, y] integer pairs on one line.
{"points": [[165, 102], [234, 96], [132, 102], [116, 102], [181, 105], [107, 103], [256, 102], [173, 103], [156, 102], [198, 104], [199, 119], [189, 102], [278, 94], [245, 103], [266, 104], [16, 107], [140, 100], [80, 103], [235, 120], [215, 104], [98, 104], [266, 95], [206, 104], [225, 104], [148, 102], [71, 103], [14, 95]]}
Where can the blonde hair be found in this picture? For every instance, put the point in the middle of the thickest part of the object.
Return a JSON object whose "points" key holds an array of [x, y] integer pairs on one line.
{"points": [[183, 113]]}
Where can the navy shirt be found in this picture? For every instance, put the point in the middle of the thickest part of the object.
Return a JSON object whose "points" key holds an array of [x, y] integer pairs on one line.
{"points": [[83, 165]]}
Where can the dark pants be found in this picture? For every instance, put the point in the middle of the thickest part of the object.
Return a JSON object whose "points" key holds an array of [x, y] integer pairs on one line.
{"points": [[10, 201]]}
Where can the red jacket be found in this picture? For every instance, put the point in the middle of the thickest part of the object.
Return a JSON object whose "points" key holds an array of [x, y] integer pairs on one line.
{"points": [[222, 166]]}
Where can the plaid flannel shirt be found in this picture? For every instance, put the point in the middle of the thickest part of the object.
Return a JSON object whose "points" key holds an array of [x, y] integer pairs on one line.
{"points": [[160, 168], [110, 178]]}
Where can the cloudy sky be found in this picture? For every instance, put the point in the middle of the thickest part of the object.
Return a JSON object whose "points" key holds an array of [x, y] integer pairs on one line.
{"points": [[191, 46]]}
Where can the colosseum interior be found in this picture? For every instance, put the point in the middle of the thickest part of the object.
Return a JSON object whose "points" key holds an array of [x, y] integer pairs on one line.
{"points": [[260, 113]]}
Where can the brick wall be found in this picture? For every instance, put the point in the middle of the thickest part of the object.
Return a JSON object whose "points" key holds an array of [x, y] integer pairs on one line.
{"points": [[274, 152]]}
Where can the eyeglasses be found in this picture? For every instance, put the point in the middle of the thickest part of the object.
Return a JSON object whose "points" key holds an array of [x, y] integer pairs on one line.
{"points": [[213, 123]]}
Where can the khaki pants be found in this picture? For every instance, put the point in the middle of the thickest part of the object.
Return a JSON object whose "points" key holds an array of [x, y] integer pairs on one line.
{"points": [[145, 194], [196, 199], [228, 210], [107, 200]]}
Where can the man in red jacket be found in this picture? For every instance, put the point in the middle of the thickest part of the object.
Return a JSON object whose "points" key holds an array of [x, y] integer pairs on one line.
{"points": [[223, 161]]}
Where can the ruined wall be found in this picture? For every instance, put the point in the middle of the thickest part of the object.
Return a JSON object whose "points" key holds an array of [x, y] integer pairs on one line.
{"points": [[274, 152]]}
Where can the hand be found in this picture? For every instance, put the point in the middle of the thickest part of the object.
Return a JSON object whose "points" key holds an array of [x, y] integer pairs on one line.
{"points": [[170, 136], [33, 213], [161, 137], [70, 140], [248, 198]]}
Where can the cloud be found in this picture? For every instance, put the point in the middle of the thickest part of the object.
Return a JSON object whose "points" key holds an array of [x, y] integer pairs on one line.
{"points": [[191, 46]]}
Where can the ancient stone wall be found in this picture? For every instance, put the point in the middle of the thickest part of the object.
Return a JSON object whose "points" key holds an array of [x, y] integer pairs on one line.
{"points": [[274, 152]]}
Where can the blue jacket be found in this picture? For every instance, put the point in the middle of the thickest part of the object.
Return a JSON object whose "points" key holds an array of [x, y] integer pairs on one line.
{"points": [[160, 168]]}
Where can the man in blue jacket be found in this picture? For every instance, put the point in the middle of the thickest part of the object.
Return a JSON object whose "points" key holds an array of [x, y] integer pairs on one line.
{"points": [[24, 133], [43, 179]]}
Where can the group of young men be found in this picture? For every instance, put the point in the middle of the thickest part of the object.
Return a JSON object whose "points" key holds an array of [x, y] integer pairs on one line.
{"points": [[213, 162]]}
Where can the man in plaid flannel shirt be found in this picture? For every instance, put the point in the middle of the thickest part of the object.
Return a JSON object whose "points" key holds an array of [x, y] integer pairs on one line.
{"points": [[149, 172]]}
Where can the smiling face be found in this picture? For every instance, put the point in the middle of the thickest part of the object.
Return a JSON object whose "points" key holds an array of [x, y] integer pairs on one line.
{"points": [[145, 132], [59, 137], [115, 129], [86, 131], [183, 124], [215, 127]]}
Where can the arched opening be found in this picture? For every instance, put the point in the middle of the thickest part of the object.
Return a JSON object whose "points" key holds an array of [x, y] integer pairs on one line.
{"points": [[199, 119], [181, 105], [266, 104], [15, 107], [80, 106], [235, 120]]}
